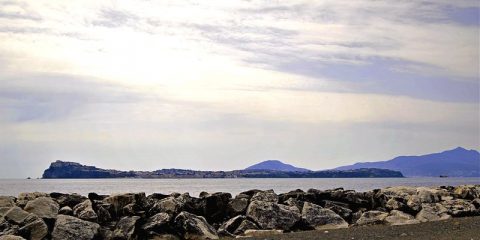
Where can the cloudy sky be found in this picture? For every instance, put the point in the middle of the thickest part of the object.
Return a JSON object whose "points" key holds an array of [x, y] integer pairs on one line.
{"points": [[217, 85]]}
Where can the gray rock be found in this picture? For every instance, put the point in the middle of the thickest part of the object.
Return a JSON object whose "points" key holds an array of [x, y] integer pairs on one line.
{"points": [[85, 211], [194, 227], [432, 212], [265, 196], [467, 191], [11, 237], [400, 218], [170, 205], [70, 200], [342, 211], [16, 215], [414, 203], [68, 227], [237, 206], [322, 218], [119, 201], [23, 198], [429, 195], [65, 211], [372, 217], [393, 204], [459, 208], [7, 201], [35, 230], [231, 225], [43, 207], [157, 222], [164, 237], [270, 215], [245, 226], [126, 228]]}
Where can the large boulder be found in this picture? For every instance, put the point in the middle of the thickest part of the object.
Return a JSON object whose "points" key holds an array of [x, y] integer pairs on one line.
{"points": [[35, 229], [459, 208], [157, 223], [216, 205], [372, 217], [231, 225], [432, 212], [43, 207], [138, 202], [322, 218], [84, 210], [467, 192], [270, 215], [194, 227], [68, 227], [340, 209], [7, 201], [16, 215], [70, 200], [237, 206], [244, 226], [170, 205], [400, 218], [24, 198], [66, 211], [126, 228], [265, 196]]}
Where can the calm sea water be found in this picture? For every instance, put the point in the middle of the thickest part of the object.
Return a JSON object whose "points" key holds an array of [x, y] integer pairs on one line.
{"points": [[13, 187]]}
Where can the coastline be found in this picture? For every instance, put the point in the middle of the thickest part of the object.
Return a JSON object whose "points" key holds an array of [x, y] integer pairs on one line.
{"points": [[214, 215]]}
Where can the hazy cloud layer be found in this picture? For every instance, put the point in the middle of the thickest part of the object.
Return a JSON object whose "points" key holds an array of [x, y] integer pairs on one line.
{"points": [[220, 85]]}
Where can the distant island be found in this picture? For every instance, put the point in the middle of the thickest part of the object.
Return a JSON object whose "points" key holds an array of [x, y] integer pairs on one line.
{"points": [[458, 162], [62, 169], [276, 165]]}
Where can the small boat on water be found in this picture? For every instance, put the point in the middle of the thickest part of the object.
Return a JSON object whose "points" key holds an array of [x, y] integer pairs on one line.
{"points": [[443, 176]]}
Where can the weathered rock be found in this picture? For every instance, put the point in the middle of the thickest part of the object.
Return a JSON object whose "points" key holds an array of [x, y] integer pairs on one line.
{"points": [[248, 194], [414, 203], [103, 213], [432, 212], [70, 200], [170, 205], [16, 215], [476, 203], [237, 206], [467, 191], [265, 196], [68, 227], [126, 228], [7, 201], [395, 204], [262, 233], [157, 223], [429, 195], [459, 208], [231, 225], [322, 218], [270, 215], [95, 197], [372, 217], [215, 208], [400, 218], [66, 211], [399, 191], [11, 237], [245, 226], [341, 209], [35, 230], [194, 227], [85, 211], [119, 201], [23, 198], [43, 207]]}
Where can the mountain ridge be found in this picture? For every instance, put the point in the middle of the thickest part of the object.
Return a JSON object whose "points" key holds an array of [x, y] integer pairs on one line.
{"points": [[457, 162], [276, 165]]}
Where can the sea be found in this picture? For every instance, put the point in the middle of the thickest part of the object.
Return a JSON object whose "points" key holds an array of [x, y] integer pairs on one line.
{"points": [[12, 187]]}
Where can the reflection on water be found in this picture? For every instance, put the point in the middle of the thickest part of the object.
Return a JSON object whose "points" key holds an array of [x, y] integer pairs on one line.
{"points": [[195, 186]]}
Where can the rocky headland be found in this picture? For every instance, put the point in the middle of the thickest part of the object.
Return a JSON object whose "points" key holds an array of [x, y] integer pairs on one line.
{"points": [[61, 216]]}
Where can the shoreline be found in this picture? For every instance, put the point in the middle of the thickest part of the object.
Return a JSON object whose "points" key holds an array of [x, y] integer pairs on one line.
{"points": [[212, 215]]}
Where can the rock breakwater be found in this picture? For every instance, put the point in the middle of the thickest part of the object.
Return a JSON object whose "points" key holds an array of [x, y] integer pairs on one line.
{"points": [[212, 215]]}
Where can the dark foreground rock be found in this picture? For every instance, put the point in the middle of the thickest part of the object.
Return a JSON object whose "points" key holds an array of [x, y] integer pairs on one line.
{"points": [[253, 213]]}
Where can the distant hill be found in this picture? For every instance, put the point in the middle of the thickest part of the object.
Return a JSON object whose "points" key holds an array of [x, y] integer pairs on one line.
{"points": [[458, 162], [277, 166], [61, 169]]}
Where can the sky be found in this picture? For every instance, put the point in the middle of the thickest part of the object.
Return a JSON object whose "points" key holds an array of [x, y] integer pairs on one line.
{"points": [[221, 85]]}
